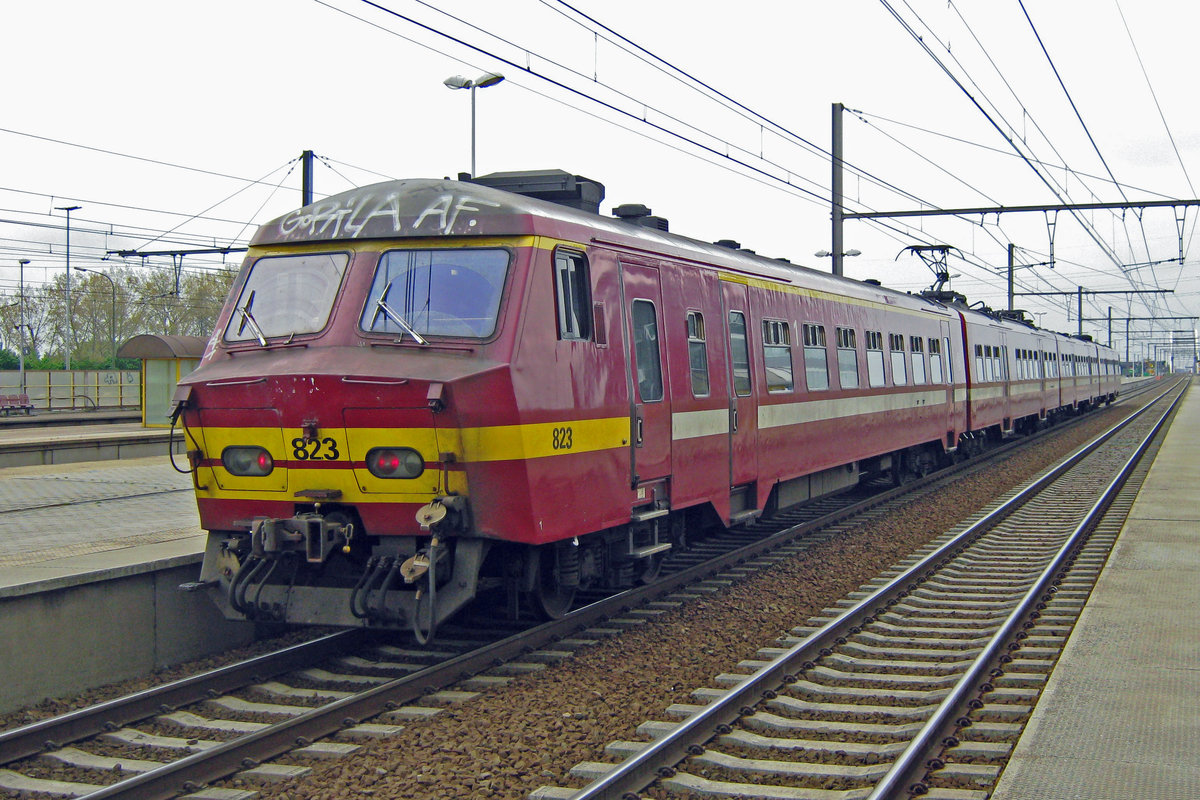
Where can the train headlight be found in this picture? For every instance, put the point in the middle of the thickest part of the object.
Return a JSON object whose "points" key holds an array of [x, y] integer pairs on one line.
{"points": [[247, 461], [394, 462]]}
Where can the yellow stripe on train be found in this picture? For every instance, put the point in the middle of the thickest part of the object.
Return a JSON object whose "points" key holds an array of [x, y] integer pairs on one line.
{"points": [[325, 461]]}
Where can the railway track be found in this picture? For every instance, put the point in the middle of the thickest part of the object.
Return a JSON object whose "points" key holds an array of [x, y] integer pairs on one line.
{"points": [[915, 685], [197, 731]]}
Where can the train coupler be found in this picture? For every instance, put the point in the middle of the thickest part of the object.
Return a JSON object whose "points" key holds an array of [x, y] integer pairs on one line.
{"points": [[316, 535]]}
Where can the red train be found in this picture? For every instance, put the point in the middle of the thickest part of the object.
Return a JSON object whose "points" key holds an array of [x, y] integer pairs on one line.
{"points": [[424, 389]]}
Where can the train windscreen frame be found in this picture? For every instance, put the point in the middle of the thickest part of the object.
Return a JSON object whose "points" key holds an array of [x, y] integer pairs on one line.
{"points": [[437, 292], [286, 295]]}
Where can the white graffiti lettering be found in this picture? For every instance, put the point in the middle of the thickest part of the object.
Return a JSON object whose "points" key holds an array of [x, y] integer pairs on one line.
{"points": [[446, 209], [386, 206], [332, 219]]}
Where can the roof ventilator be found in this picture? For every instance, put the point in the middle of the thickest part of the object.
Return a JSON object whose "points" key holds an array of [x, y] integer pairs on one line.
{"points": [[552, 185], [638, 214]]}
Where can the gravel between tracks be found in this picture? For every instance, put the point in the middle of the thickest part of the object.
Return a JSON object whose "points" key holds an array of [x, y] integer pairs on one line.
{"points": [[509, 741]]}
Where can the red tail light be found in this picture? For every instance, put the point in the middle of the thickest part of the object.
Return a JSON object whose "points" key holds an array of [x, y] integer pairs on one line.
{"points": [[247, 461], [395, 462]]}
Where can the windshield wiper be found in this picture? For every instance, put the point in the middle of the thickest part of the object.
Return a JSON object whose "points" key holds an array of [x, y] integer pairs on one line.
{"points": [[247, 317], [381, 305]]}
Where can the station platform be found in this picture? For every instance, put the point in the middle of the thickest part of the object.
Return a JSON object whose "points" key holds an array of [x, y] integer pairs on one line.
{"points": [[1120, 715], [80, 439], [68, 523], [91, 558]]}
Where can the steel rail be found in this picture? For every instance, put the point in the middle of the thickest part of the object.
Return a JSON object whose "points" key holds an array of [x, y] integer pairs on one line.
{"points": [[642, 768], [227, 758], [32, 739], [943, 720]]}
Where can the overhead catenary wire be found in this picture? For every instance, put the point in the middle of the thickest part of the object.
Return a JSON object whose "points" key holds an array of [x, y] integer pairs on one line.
{"points": [[899, 230], [1009, 139]]}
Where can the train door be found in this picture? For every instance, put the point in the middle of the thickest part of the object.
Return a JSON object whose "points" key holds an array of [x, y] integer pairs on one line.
{"points": [[649, 409], [1004, 374], [743, 411], [953, 405]]}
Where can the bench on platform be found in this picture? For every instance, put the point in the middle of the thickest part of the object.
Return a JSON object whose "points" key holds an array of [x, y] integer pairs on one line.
{"points": [[15, 402]]}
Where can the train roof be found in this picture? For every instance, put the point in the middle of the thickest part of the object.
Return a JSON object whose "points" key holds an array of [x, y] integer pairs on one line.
{"points": [[551, 203], [422, 208]]}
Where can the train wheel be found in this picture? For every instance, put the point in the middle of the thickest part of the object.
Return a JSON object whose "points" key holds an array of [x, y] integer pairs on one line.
{"points": [[552, 596], [651, 569], [551, 599]]}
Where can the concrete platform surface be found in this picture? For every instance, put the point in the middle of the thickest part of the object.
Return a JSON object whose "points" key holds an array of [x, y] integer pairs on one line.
{"points": [[1120, 716], [58, 520]]}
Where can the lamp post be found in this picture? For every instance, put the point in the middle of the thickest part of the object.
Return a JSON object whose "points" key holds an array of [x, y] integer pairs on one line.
{"points": [[827, 254], [67, 346], [21, 324], [482, 82], [113, 319]]}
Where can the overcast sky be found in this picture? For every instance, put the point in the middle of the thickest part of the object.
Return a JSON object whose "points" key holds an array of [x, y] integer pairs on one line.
{"points": [[176, 124]]}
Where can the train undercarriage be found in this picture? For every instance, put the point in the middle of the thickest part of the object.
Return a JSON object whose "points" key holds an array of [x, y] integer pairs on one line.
{"points": [[318, 568], [313, 569]]}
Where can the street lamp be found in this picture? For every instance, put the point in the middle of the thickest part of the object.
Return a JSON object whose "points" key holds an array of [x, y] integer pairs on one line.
{"points": [[21, 325], [67, 348], [482, 82], [113, 318]]}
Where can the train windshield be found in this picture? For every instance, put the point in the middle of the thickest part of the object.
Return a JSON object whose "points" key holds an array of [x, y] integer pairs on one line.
{"points": [[420, 293], [286, 295]]}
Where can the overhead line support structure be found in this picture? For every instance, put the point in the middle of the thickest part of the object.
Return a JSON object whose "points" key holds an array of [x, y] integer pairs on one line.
{"points": [[1080, 292], [1110, 319], [176, 256], [951, 212]]}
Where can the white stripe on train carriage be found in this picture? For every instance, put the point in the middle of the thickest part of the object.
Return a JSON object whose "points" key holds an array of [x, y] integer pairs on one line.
{"points": [[780, 414]]}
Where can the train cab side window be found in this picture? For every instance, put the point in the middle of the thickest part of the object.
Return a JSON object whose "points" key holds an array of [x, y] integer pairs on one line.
{"points": [[899, 371], [572, 288], [935, 362], [697, 353], [949, 361], [876, 375], [916, 346], [847, 356], [777, 355], [816, 358], [739, 348], [646, 351]]}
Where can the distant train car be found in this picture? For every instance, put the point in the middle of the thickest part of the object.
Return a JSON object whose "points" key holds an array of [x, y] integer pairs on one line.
{"points": [[425, 389]]}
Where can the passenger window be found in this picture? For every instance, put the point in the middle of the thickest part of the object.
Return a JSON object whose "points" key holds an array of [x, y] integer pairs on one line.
{"points": [[935, 361], [816, 358], [896, 346], [777, 355], [645, 348], [697, 353], [876, 376], [917, 346], [572, 288], [739, 349], [847, 356]]}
